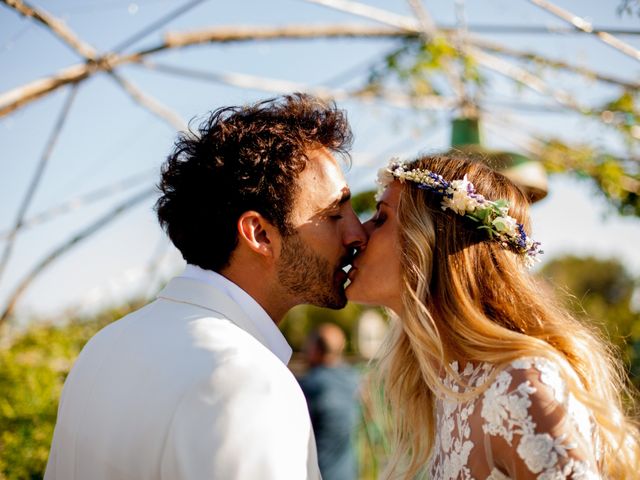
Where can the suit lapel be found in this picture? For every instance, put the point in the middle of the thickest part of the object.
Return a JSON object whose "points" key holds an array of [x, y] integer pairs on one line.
{"points": [[185, 290]]}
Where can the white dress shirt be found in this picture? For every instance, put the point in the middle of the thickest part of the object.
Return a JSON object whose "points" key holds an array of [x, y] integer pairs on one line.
{"points": [[191, 386], [255, 313]]}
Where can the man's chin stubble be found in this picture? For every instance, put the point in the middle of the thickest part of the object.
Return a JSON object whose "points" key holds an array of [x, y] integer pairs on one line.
{"points": [[309, 277]]}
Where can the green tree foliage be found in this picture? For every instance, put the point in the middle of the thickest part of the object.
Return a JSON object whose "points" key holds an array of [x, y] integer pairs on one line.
{"points": [[420, 67], [364, 203], [32, 371], [301, 320], [616, 178], [601, 291]]}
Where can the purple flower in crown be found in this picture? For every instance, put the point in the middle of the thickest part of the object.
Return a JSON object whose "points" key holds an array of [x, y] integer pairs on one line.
{"points": [[522, 237], [534, 249], [437, 189], [471, 189], [439, 180]]}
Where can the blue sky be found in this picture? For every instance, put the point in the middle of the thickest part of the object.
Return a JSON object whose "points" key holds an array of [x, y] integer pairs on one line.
{"points": [[108, 139]]}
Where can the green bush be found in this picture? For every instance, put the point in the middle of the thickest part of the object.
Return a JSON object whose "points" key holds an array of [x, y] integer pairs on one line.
{"points": [[32, 371], [601, 291]]}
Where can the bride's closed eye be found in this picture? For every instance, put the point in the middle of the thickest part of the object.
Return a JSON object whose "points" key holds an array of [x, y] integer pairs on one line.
{"points": [[378, 219]]}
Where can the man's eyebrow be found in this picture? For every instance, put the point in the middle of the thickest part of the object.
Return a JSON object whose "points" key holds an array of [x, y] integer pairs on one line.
{"points": [[337, 203], [344, 198]]}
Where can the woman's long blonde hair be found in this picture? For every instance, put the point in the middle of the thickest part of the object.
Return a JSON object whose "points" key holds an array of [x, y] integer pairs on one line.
{"points": [[468, 298]]}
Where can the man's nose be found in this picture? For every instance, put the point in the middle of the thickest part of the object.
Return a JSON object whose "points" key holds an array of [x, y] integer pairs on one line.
{"points": [[368, 227], [355, 234]]}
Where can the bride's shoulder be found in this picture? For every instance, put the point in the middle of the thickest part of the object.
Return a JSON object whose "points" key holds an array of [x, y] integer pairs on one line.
{"points": [[534, 392], [535, 380], [536, 371]]}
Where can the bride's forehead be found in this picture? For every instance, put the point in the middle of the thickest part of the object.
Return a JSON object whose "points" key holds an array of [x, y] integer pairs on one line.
{"points": [[391, 195]]}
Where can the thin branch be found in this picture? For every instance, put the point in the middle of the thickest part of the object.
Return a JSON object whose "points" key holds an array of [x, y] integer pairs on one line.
{"points": [[10, 42], [544, 108], [373, 13], [540, 29], [240, 80], [55, 25], [35, 181], [246, 33], [281, 86], [249, 33], [27, 93], [67, 245], [503, 125], [389, 151], [156, 25], [149, 103], [358, 69], [80, 202], [426, 22], [152, 269], [586, 26]]}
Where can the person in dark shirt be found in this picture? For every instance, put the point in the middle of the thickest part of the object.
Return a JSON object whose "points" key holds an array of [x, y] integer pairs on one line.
{"points": [[331, 389]]}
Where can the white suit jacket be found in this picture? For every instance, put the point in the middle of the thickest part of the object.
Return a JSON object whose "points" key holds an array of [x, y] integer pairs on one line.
{"points": [[183, 388]]}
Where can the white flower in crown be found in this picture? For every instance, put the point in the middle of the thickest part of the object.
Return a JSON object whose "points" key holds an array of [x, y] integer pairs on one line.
{"points": [[385, 177], [506, 225], [460, 202]]}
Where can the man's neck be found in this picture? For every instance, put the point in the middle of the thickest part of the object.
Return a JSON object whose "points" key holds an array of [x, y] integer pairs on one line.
{"points": [[254, 283]]}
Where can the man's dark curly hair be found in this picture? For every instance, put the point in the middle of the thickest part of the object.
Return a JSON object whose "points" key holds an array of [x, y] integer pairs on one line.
{"points": [[240, 159]]}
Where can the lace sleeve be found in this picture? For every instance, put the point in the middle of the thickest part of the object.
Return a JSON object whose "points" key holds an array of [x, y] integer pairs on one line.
{"points": [[534, 428]]}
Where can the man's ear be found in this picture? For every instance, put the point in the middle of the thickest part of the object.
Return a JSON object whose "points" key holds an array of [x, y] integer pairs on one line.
{"points": [[257, 233]]}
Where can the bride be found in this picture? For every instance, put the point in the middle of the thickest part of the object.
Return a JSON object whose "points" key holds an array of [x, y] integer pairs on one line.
{"points": [[485, 376]]}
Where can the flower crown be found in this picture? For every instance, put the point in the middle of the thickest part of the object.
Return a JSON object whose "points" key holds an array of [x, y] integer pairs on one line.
{"points": [[460, 196]]}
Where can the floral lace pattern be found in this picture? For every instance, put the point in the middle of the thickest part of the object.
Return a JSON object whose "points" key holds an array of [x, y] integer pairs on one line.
{"points": [[525, 424]]}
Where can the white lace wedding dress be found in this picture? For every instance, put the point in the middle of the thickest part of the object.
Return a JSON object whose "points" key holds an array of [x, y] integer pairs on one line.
{"points": [[526, 425]]}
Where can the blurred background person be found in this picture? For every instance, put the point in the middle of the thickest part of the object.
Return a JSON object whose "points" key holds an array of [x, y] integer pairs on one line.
{"points": [[331, 388]]}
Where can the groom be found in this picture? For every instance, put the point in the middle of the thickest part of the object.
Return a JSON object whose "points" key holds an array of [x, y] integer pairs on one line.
{"points": [[195, 384]]}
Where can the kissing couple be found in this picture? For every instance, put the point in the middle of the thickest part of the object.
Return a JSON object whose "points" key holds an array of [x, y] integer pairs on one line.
{"points": [[484, 375]]}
